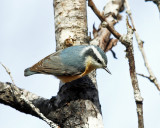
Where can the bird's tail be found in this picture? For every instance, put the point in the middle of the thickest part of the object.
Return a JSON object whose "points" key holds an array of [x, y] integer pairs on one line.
{"points": [[28, 72]]}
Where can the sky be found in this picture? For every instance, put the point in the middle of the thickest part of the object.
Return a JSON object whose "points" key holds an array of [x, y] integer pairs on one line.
{"points": [[27, 36]]}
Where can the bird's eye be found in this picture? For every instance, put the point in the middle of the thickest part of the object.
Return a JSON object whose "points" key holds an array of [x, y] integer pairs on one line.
{"points": [[98, 61]]}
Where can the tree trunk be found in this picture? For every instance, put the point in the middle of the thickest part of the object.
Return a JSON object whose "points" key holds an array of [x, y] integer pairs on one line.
{"points": [[78, 99]]}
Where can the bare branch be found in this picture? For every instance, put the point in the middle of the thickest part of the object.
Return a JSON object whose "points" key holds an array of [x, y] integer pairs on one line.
{"points": [[23, 98], [9, 73], [143, 75], [49, 122], [127, 41], [108, 26], [26, 102], [140, 45], [111, 29], [110, 12], [96, 11], [149, 78]]}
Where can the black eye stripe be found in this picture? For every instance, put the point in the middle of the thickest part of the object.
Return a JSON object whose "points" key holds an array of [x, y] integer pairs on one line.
{"points": [[96, 58], [91, 53], [99, 61]]}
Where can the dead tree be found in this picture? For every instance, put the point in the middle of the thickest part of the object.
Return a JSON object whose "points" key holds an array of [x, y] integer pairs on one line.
{"points": [[77, 103]]}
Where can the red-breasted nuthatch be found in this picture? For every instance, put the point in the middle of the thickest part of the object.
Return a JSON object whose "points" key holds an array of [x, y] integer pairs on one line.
{"points": [[71, 63]]}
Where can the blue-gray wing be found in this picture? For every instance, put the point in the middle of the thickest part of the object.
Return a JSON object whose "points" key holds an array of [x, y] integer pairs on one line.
{"points": [[53, 65]]}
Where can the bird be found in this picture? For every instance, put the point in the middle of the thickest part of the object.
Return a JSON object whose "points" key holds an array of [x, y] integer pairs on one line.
{"points": [[71, 63]]}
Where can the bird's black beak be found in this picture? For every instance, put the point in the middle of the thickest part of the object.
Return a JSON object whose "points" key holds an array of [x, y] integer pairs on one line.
{"points": [[107, 70]]}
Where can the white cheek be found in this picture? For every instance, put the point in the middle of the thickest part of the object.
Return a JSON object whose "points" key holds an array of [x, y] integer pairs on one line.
{"points": [[96, 64], [93, 62]]}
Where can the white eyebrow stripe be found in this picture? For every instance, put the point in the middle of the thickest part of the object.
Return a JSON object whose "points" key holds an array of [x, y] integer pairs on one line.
{"points": [[84, 50], [96, 52]]}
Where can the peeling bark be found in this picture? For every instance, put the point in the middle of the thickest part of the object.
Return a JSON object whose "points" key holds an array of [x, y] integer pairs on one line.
{"points": [[77, 101], [70, 21], [76, 104]]}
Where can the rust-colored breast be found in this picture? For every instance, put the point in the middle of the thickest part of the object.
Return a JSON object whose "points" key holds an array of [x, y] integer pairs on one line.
{"points": [[66, 79]]}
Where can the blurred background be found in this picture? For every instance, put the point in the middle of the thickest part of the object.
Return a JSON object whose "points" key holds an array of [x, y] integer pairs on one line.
{"points": [[27, 35]]}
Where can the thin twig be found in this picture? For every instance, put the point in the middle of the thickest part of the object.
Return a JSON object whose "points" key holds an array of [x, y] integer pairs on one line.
{"points": [[127, 41], [103, 20], [143, 75], [96, 11], [49, 122], [9, 73], [148, 77], [140, 45]]}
